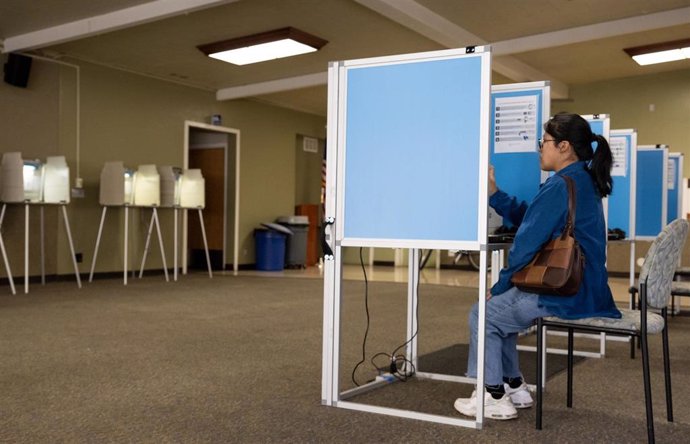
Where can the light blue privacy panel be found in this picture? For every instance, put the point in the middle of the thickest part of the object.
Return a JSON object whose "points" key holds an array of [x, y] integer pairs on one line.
{"points": [[412, 150], [597, 126], [650, 192], [622, 173], [600, 124], [674, 195], [517, 173]]}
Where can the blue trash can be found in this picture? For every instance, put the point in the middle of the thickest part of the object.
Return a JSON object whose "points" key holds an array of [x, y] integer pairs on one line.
{"points": [[270, 249]]}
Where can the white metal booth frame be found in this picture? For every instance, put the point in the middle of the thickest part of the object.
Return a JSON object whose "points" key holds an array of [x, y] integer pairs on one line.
{"points": [[345, 81]]}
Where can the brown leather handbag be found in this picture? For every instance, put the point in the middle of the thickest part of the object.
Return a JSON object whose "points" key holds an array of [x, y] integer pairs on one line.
{"points": [[558, 267]]}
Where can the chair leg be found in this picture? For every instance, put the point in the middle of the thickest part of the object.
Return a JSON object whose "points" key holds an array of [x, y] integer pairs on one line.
{"points": [[633, 304], [540, 328], [673, 305], [632, 347], [667, 368], [569, 402], [647, 388]]}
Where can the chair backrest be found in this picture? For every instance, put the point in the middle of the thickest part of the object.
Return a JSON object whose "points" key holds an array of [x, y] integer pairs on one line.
{"points": [[661, 262]]}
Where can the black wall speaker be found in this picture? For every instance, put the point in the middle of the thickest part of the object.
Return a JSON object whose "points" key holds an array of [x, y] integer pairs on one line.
{"points": [[17, 70]]}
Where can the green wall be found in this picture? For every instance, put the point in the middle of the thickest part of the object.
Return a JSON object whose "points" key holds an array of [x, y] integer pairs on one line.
{"points": [[628, 102], [138, 120]]}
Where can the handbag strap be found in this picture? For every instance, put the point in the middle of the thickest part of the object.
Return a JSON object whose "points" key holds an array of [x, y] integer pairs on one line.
{"points": [[570, 223]]}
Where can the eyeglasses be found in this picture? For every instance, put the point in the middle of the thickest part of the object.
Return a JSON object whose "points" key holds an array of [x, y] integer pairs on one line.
{"points": [[543, 141]]}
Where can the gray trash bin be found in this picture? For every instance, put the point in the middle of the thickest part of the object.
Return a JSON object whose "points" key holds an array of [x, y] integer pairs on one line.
{"points": [[296, 247]]}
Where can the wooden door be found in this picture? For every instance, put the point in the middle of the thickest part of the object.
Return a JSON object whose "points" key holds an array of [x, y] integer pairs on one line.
{"points": [[211, 162]]}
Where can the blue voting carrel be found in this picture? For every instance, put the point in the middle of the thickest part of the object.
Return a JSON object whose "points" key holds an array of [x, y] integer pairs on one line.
{"points": [[411, 127]]}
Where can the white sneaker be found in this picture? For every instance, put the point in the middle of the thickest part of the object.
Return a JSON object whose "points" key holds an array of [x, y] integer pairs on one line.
{"points": [[493, 408], [520, 396]]}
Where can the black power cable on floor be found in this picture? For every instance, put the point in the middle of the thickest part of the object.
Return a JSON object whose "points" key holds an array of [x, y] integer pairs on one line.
{"points": [[401, 367], [396, 364], [366, 308]]}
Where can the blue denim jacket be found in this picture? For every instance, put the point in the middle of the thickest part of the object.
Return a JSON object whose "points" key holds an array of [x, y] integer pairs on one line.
{"points": [[543, 220]]}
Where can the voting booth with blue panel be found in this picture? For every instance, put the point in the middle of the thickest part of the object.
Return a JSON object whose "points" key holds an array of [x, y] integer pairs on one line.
{"points": [[600, 124], [621, 210], [674, 187], [519, 112], [651, 197], [395, 125], [406, 123]]}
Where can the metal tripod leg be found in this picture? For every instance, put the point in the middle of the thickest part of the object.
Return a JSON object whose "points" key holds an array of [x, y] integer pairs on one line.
{"points": [[4, 253], [175, 253], [26, 248], [126, 262], [203, 234], [146, 247], [98, 242], [71, 246], [160, 242], [43, 248]]}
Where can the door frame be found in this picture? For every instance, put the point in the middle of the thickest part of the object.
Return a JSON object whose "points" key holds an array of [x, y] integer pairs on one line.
{"points": [[188, 126]]}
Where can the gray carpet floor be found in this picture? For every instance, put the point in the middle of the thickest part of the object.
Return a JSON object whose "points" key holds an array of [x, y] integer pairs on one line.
{"points": [[238, 359]]}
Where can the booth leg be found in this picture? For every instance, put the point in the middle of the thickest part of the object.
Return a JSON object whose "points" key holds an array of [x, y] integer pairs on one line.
{"points": [[160, 242], [126, 243], [43, 248], [146, 246], [26, 248], [71, 246], [4, 253], [203, 234], [98, 241], [175, 245]]}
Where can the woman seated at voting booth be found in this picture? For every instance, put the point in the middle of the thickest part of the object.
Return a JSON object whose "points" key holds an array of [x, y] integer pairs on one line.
{"points": [[566, 149]]}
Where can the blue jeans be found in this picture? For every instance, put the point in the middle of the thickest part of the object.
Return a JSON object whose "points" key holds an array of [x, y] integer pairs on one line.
{"points": [[507, 314]]}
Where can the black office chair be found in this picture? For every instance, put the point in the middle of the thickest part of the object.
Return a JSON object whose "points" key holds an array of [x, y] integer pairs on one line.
{"points": [[655, 281]]}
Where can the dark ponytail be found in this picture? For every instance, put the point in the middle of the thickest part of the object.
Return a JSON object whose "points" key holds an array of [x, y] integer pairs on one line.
{"points": [[600, 166], [576, 130]]}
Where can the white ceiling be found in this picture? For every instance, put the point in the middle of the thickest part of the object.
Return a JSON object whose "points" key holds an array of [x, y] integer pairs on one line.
{"points": [[566, 41]]}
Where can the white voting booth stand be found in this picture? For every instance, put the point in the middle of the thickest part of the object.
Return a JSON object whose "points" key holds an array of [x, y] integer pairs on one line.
{"points": [[183, 191], [31, 183], [674, 182], [651, 195], [120, 187], [404, 116], [146, 191], [622, 201], [674, 193]]}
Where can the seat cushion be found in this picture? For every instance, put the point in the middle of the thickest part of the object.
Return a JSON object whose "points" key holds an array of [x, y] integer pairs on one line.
{"points": [[629, 322], [680, 288]]}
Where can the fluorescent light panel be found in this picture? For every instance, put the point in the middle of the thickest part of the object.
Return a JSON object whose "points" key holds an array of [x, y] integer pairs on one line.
{"points": [[660, 52], [263, 52], [269, 45]]}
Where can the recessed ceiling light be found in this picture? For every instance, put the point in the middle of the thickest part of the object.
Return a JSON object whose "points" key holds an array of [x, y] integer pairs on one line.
{"points": [[660, 52], [269, 45]]}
